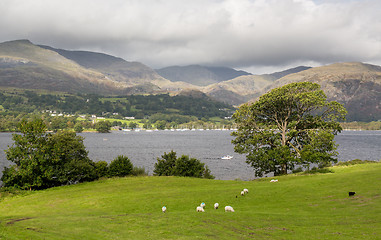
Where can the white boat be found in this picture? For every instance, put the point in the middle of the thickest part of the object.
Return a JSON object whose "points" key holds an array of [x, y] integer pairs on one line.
{"points": [[227, 157]]}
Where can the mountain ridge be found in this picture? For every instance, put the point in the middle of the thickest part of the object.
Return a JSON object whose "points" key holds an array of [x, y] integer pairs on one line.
{"points": [[26, 65], [199, 75], [354, 84]]}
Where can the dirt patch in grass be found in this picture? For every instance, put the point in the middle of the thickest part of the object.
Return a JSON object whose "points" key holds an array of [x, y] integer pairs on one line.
{"points": [[13, 221], [34, 229]]}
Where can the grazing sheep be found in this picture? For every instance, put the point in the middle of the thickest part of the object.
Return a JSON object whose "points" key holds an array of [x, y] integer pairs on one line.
{"points": [[216, 205], [351, 193], [246, 190], [164, 208], [229, 209], [242, 193], [200, 209], [202, 205]]}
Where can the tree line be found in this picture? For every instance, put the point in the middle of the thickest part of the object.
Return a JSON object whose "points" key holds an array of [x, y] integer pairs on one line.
{"points": [[43, 160], [138, 106]]}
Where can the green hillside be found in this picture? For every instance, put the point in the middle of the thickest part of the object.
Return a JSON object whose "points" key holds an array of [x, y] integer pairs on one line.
{"points": [[296, 207]]}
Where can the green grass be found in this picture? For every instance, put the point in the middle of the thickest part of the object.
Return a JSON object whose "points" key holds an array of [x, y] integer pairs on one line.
{"points": [[296, 207]]}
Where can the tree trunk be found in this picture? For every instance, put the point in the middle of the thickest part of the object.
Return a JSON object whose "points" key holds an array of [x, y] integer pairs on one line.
{"points": [[284, 169]]}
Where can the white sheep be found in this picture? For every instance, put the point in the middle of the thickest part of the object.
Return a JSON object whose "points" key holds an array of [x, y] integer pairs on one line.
{"points": [[164, 208], [216, 205], [202, 205], [229, 209], [246, 190], [242, 193], [274, 180], [200, 209]]}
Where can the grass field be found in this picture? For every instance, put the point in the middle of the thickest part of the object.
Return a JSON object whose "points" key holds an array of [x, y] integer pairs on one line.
{"points": [[296, 207]]}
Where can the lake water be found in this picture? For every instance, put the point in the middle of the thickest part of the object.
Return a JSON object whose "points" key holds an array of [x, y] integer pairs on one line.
{"points": [[143, 148]]}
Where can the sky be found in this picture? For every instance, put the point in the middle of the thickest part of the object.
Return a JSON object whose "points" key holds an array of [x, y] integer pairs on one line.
{"points": [[259, 36]]}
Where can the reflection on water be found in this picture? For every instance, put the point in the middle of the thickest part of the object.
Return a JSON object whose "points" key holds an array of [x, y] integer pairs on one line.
{"points": [[208, 146]]}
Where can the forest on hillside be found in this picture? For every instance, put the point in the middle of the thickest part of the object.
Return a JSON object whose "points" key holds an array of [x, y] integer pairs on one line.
{"points": [[15, 105], [137, 106]]}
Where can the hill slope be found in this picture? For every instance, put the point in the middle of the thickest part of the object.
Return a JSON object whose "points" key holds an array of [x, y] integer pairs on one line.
{"points": [[132, 73], [295, 207], [25, 65], [199, 75], [356, 85], [243, 88]]}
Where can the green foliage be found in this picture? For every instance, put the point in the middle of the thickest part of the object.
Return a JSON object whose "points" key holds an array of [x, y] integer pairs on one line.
{"points": [[121, 166], [101, 168], [132, 125], [132, 105], [354, 162], [161, 124], [78, 128], [103, 126], [170, 165], [139, 171], [316, 170], [165, 165], [58, 123], [44, 160], [289, 126]]}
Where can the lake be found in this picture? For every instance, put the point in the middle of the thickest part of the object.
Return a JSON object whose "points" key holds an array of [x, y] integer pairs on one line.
{"points": [[143, 148]]}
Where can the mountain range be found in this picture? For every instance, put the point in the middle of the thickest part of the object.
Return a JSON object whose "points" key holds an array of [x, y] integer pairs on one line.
{"points": [[199, 75], [29, 66]]}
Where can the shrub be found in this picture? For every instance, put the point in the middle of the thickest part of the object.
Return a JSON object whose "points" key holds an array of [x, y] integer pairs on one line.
{"points": [[139, 171], [165, 165], [297, 170], [207, 173], [121, 166], [101, 168], [188, 167], [325, 164], [318, 170], [78, 128], [355, 161], [184, 166]]}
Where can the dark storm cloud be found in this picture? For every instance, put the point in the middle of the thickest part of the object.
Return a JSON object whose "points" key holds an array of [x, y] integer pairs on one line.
{"points": [[235, 33]]}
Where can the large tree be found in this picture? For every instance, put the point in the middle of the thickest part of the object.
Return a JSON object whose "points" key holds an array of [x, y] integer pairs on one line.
{"points": [[44, 160], [288, 126]]}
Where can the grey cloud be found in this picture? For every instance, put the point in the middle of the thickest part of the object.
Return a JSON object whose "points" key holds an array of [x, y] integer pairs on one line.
{"points": [[235, 33]]}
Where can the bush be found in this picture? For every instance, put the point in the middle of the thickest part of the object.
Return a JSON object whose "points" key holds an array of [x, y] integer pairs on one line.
{"points": [[297, 170], [207, 173], [78, 128], [184, 166], [315, 170], [165, 165], [121, 166], [101, 168], [139, 171], [354, 162], [325, 164]]}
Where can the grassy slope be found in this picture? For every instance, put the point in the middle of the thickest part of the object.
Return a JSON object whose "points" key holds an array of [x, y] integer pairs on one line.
{"points": [[296, 207]]}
